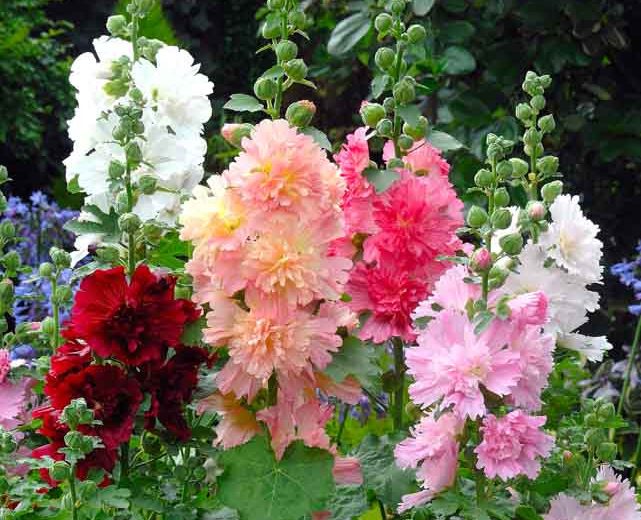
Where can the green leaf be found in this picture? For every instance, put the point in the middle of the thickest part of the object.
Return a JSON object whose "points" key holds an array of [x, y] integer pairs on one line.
{"points": [[380, 473], [378, 85], [482, 321], [458, 31], [103, 223], [409, 114], [454, 6], [422, 7], [355, 358], [263, 488], [443, 141], [274, 73], [348, 33], [243, 103], [458, 61], [381, 179], [193, 332], [318, 136], [223, 514], [348, 502], [527, 513], [171, 252]]}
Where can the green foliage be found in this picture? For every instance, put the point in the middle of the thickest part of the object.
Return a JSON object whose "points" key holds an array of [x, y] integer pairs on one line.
{"points": [[154, 25], [261, 487]]}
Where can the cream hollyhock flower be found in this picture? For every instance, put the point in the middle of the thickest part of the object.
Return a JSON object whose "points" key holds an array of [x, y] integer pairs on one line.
{"points": [[571, 239]]}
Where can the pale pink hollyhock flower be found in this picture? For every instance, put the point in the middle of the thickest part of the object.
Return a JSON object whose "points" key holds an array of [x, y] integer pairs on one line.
{"points": [[5, 365], [512, 445], [623, 504], [347, 470], [451, 292], [281, 171], [390, 294], [432, 448], [416, 220], [237, 424], [529, 308], [423, 158], [14, 399], [564, 507], [452, 362]]}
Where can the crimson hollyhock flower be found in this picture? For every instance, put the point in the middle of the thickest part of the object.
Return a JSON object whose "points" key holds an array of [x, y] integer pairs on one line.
{"points": [[70, 357], [171, 386], [108, 391], [134, 323]]}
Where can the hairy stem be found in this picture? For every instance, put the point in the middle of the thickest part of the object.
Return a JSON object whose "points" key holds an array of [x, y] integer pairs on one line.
{"points": [[399, 392], [628, 373]]}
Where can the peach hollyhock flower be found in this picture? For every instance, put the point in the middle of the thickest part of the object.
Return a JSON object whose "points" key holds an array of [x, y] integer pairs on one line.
{"points": [[282, 171], [512, 445], [452, 362], [237, 426], [259, 345], [422, 159]]}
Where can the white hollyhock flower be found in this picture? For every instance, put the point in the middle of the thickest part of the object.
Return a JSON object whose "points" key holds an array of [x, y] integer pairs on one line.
{"points": [[592, 347], [175, 90], [571, 239]]}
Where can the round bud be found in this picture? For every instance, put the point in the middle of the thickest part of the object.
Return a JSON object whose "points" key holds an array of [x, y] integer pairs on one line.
{"points": [[385, 58], [497, 276], [234, 133], [62, 295], [567, 455], [606, 412], [60, 471], [122, 202], [3, 203], [519, 167], [136, 95], [275, 4], [388, 104], [152, 231], [397, 6], [404, 92], [296, 69], [504, 170], [594, 436], [538, 103], [297, 19], [501, 198], [405, 142], [395, 163], [476, 217], [265, 88], [372, 113], [129, 222], [271, 28], [512, 244], [11, 261], [484, 178], [383, 23], [531, 137], [7, 229], [6, 292], [524, 112], [60, 257], [416, 132], [151, 444], [4, 174], [481, 260], [147, 184], [547, 124], [416, 33], [300, 113], [286, 50], [551, 191], [133, 153], [384, 128], [536, 210], [117, 25], [501, 218], [47, 326], [116, 170], [548, 165]]}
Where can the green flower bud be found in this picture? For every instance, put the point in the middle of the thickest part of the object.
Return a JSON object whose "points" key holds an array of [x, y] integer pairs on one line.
{"points": [[133, 153], [60, 471], [504, 170], [416, 132], [117, 25], [531, 137], [497, 276], [484, 178], [384, 128], [76, 413], [297, 19], [4, 174], [501, 218], [524, 112], [607, 451], [519, 167], [74, 440], [147, 184], [47, 326], [296, 69], [151, 444], [551, 191], [62, 295], [389, 104], [129, 223], [116, 88], [395, 163], [4, 325], [6, 293], [136, 95], [501, 198], [271, 28], [286, 50], [538, 103], [3, 203], [150, 48], [606, 412], [383, 23], [476, 217], [265, 88], [11, 261], [234, 133], [397, 6], [405, 142], [548, 164], [60, 258], [275, 4], [372, 113], [404, 92], [385, 58], [7, 230], [512, 243], [416, 33], [122, 202], [116, 170], [547, 124], [300, 113], [594, 436], [152, 231]]}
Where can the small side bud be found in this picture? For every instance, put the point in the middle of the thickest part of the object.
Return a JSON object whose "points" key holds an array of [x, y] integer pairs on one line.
{"points": [[234, 133], [300, 113]]}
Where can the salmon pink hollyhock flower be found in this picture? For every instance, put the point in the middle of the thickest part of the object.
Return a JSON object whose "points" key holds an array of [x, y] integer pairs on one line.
{"points": [[423, 158], [416, 222], [134, 323], [512, 445], [452, 362], [432, 448], [5, 365], [390, 294], [347, 471], [280, 170], [237, 424]]}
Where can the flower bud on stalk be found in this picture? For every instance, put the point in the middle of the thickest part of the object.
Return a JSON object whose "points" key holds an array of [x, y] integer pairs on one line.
{"points": [[234, 133], [481, 260], [372, 113], [519, 167], [384, 58], [300, 113], [476, 217], [551, 191], [383, 23], [296, 69], [536, 211], [512, 244], [286, 50], [265, 88]]}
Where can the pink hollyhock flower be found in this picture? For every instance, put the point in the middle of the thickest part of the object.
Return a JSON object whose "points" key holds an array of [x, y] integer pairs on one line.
{"points": [[281, 171], [564, 507], [529, 308], [417, 219], [433, 449], [623, 504], [451, 292], [321, 515], [259, 345], [14, 398], [415, 500], [423, 158], [5, 365], [347, 470], [512, 444], [237, 425], [452, 362], [390, 294]]}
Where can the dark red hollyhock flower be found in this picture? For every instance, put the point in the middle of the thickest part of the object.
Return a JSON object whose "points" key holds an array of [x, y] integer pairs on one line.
{"points": [[70, 357], [171, 385], [108, 391], [134, 323]]}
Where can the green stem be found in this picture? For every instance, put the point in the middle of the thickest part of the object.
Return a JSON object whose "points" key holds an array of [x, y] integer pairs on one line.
{"points": [[398, 122], [55, 310], [399, 368], [124, 460], [481, 482], [636, 460], [278, 101], [628, 372], [272, 390], [74, 497], [381, 509], [131, 237], [344, 410]]}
